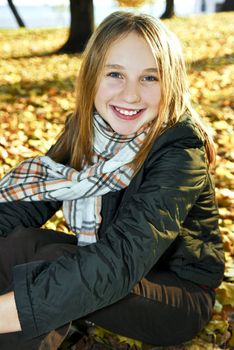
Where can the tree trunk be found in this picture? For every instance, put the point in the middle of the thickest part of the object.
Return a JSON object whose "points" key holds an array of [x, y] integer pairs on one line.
{"points": [[169, 12], [16, 14], [228, 5], [81, 26]]}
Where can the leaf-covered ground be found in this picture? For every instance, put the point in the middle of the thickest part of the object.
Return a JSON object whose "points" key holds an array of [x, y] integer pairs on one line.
{"points": [[37, 92]]}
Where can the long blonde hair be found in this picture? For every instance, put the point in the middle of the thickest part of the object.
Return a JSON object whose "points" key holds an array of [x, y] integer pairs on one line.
{"points": [[77, 139]]}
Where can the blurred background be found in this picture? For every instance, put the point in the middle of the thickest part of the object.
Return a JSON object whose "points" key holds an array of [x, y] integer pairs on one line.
{"points": [[55, 13]]}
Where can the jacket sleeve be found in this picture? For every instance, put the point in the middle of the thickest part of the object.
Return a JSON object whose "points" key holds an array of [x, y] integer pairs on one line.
{"points": [[26, 214], [49, 294]]}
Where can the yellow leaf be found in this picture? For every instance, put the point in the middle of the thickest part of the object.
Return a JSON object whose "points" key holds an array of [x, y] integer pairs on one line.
{"points": [[225, 293]]}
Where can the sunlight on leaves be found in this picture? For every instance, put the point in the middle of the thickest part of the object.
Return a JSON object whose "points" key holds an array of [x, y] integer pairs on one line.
{"points": [[37, 94]]}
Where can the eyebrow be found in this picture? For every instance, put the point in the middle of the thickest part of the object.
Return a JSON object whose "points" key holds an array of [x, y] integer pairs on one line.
{"points": [[118, 66]]}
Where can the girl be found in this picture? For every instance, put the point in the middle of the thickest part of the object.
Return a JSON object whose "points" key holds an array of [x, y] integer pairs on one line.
{"points": [[132, 172]]}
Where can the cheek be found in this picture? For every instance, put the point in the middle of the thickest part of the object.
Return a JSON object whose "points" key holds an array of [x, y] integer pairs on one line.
{"points": [[100, 94], [158, 96], [101, 97], [109, 89], [153, 96]]}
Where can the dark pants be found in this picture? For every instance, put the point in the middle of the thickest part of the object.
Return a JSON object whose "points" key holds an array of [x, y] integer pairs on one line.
{"points": [[162, 309]]}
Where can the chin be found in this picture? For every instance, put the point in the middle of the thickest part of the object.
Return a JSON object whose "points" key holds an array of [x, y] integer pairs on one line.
{"points": [[125, 130]]}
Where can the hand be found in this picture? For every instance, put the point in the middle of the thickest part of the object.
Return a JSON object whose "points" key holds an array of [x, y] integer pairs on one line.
{"points": [[9, 320]]}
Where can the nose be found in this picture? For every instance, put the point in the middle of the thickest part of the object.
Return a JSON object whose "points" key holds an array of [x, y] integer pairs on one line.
{"points": [[131, 92]]}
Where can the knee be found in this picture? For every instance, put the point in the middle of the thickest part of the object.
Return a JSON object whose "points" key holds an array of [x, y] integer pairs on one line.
{"points": [[54, 251], [23, 233], [25, 239]]}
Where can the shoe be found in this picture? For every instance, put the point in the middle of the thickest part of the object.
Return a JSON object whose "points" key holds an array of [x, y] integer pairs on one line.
{"points": [[54, 339], [77, 331]]}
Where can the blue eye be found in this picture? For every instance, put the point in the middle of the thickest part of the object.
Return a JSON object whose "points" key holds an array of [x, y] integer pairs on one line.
{"points": [[150, 78], [114, 75]]}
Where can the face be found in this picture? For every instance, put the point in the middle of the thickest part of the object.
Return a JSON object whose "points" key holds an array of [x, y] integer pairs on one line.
{"points": [[128, 91]]}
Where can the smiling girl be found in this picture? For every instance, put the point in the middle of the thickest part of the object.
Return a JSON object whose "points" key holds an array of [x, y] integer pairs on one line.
{"points": [[132, 173]]}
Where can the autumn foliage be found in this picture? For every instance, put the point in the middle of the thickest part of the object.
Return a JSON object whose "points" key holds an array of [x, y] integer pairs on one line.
{"points": [[37, 93]]}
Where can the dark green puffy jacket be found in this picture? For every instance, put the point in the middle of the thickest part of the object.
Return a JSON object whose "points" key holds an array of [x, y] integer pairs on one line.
{"points": [[167, 216]]}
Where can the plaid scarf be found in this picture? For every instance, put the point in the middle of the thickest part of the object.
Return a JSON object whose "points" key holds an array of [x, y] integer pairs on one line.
{"points": [[42, 179]]}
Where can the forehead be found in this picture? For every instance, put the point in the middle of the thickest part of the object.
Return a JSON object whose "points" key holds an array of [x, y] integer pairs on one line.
{"points": [[130, 50]]}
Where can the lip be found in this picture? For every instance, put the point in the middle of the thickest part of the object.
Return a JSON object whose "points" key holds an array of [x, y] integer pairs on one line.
{"points": [[127, 117]]}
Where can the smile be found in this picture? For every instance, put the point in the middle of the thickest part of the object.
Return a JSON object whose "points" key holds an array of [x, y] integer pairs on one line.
{"points": [[127, 114]]}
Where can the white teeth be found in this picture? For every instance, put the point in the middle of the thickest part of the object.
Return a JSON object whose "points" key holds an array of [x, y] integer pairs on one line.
{"points": [[125, 112]]}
